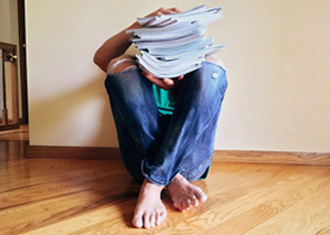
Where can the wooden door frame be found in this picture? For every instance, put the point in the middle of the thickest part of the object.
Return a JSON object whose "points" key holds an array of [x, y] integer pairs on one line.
{"points": [[22, 57], [8, 52]]}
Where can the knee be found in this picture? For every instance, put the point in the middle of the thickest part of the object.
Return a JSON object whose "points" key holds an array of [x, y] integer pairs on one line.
{"points": [[215, 60], [120, 64], [211, 79]]}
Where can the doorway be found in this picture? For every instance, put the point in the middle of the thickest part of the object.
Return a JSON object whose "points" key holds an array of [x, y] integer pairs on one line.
{"points": [[13, 95], [9, 115]]}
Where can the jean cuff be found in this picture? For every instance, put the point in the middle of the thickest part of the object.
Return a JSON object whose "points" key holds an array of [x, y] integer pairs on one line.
{"points": [[150, 177]]}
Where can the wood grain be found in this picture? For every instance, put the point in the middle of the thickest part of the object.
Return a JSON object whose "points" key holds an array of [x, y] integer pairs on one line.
{"points": [[76, 196], [271, 157], [264, 157]]}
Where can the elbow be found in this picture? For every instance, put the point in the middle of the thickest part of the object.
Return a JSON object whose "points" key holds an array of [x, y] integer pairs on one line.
{"points": [[96, 59], [99, 61]]}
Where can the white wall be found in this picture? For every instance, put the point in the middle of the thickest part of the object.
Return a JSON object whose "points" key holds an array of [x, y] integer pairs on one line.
{"points": [[277, 59]]}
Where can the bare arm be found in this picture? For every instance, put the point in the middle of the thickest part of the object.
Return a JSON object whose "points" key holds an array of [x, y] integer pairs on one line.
{"points": [[113, 47], [119, 43]]}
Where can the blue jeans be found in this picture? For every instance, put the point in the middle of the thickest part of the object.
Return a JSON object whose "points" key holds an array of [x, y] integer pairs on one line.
{"points": [[160, 147]]}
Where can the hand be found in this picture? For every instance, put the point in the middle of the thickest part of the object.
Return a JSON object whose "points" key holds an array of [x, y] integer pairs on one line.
{"points": [[165, 83], [164, 11], [160, 11]]}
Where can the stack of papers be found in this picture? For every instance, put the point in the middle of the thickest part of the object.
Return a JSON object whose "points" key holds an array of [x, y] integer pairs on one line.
{"points": [[174, 44]]}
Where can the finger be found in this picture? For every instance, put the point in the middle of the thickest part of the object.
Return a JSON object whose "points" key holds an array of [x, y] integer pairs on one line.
{"points": [[180, 77], [176, 10], [151, 77], [172, 12], [165, 11], [157, 82], [168, 81], [145, 73]]}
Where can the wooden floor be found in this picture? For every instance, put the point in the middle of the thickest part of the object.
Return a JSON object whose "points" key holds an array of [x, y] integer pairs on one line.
{"points": [[47, 196]]}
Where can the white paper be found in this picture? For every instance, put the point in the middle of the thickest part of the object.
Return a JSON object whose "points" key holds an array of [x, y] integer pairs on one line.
{"points": [[174, 44]]}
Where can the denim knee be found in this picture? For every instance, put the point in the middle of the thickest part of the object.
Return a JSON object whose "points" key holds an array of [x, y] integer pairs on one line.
{"points": [[208, 83]]}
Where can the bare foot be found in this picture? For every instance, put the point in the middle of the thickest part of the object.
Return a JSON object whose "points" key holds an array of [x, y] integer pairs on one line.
{"points": [[149, 210], [183, 194]]}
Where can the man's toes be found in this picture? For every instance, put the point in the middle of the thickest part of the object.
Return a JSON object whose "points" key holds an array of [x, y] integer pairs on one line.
{"points": [[201, 197], [137, 221], [188, 204], [160, 217], [184, 206], [147, 221], [163, 215], [194, 201], [179, 205], [152, 220]]}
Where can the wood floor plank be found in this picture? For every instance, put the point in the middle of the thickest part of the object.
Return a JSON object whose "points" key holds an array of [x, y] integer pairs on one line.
{"points": [[265, 202], [220, 214], [64, 206], [110, 215], [56, 187], [72, 196], [55, 214], [309, 216], [33, 173]]}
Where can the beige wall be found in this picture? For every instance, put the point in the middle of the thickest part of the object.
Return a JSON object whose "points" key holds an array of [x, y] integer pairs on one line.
{"points": [[277, 58]]}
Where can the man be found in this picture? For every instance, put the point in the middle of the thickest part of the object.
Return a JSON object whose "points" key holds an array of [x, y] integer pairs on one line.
{"points": [[162, 146]]}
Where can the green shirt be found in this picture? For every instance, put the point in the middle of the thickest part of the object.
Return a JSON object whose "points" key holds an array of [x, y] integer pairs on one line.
{"points": [[165, 100]]}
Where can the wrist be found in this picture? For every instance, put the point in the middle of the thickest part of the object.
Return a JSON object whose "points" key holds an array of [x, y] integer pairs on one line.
{"points": [[135, 25]]}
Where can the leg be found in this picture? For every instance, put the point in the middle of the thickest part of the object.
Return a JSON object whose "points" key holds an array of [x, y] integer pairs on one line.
{"points": [[183, 194], [136, 116], [149, 210], [135, 113], [197, 109]]}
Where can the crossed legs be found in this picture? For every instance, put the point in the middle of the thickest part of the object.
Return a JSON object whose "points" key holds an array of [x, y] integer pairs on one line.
{"points": [[149, 210]]}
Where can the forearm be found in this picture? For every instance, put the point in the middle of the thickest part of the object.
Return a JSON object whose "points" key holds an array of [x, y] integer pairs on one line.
{"points": [[113, 47]]}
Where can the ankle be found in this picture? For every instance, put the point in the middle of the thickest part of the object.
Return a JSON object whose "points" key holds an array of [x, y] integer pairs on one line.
{"points": [[148, 185], [179, 179]]}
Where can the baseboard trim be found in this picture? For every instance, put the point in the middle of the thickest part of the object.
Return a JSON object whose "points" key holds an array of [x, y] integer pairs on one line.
{"points": [[96, 153], [264, 157], [272, 157]]}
